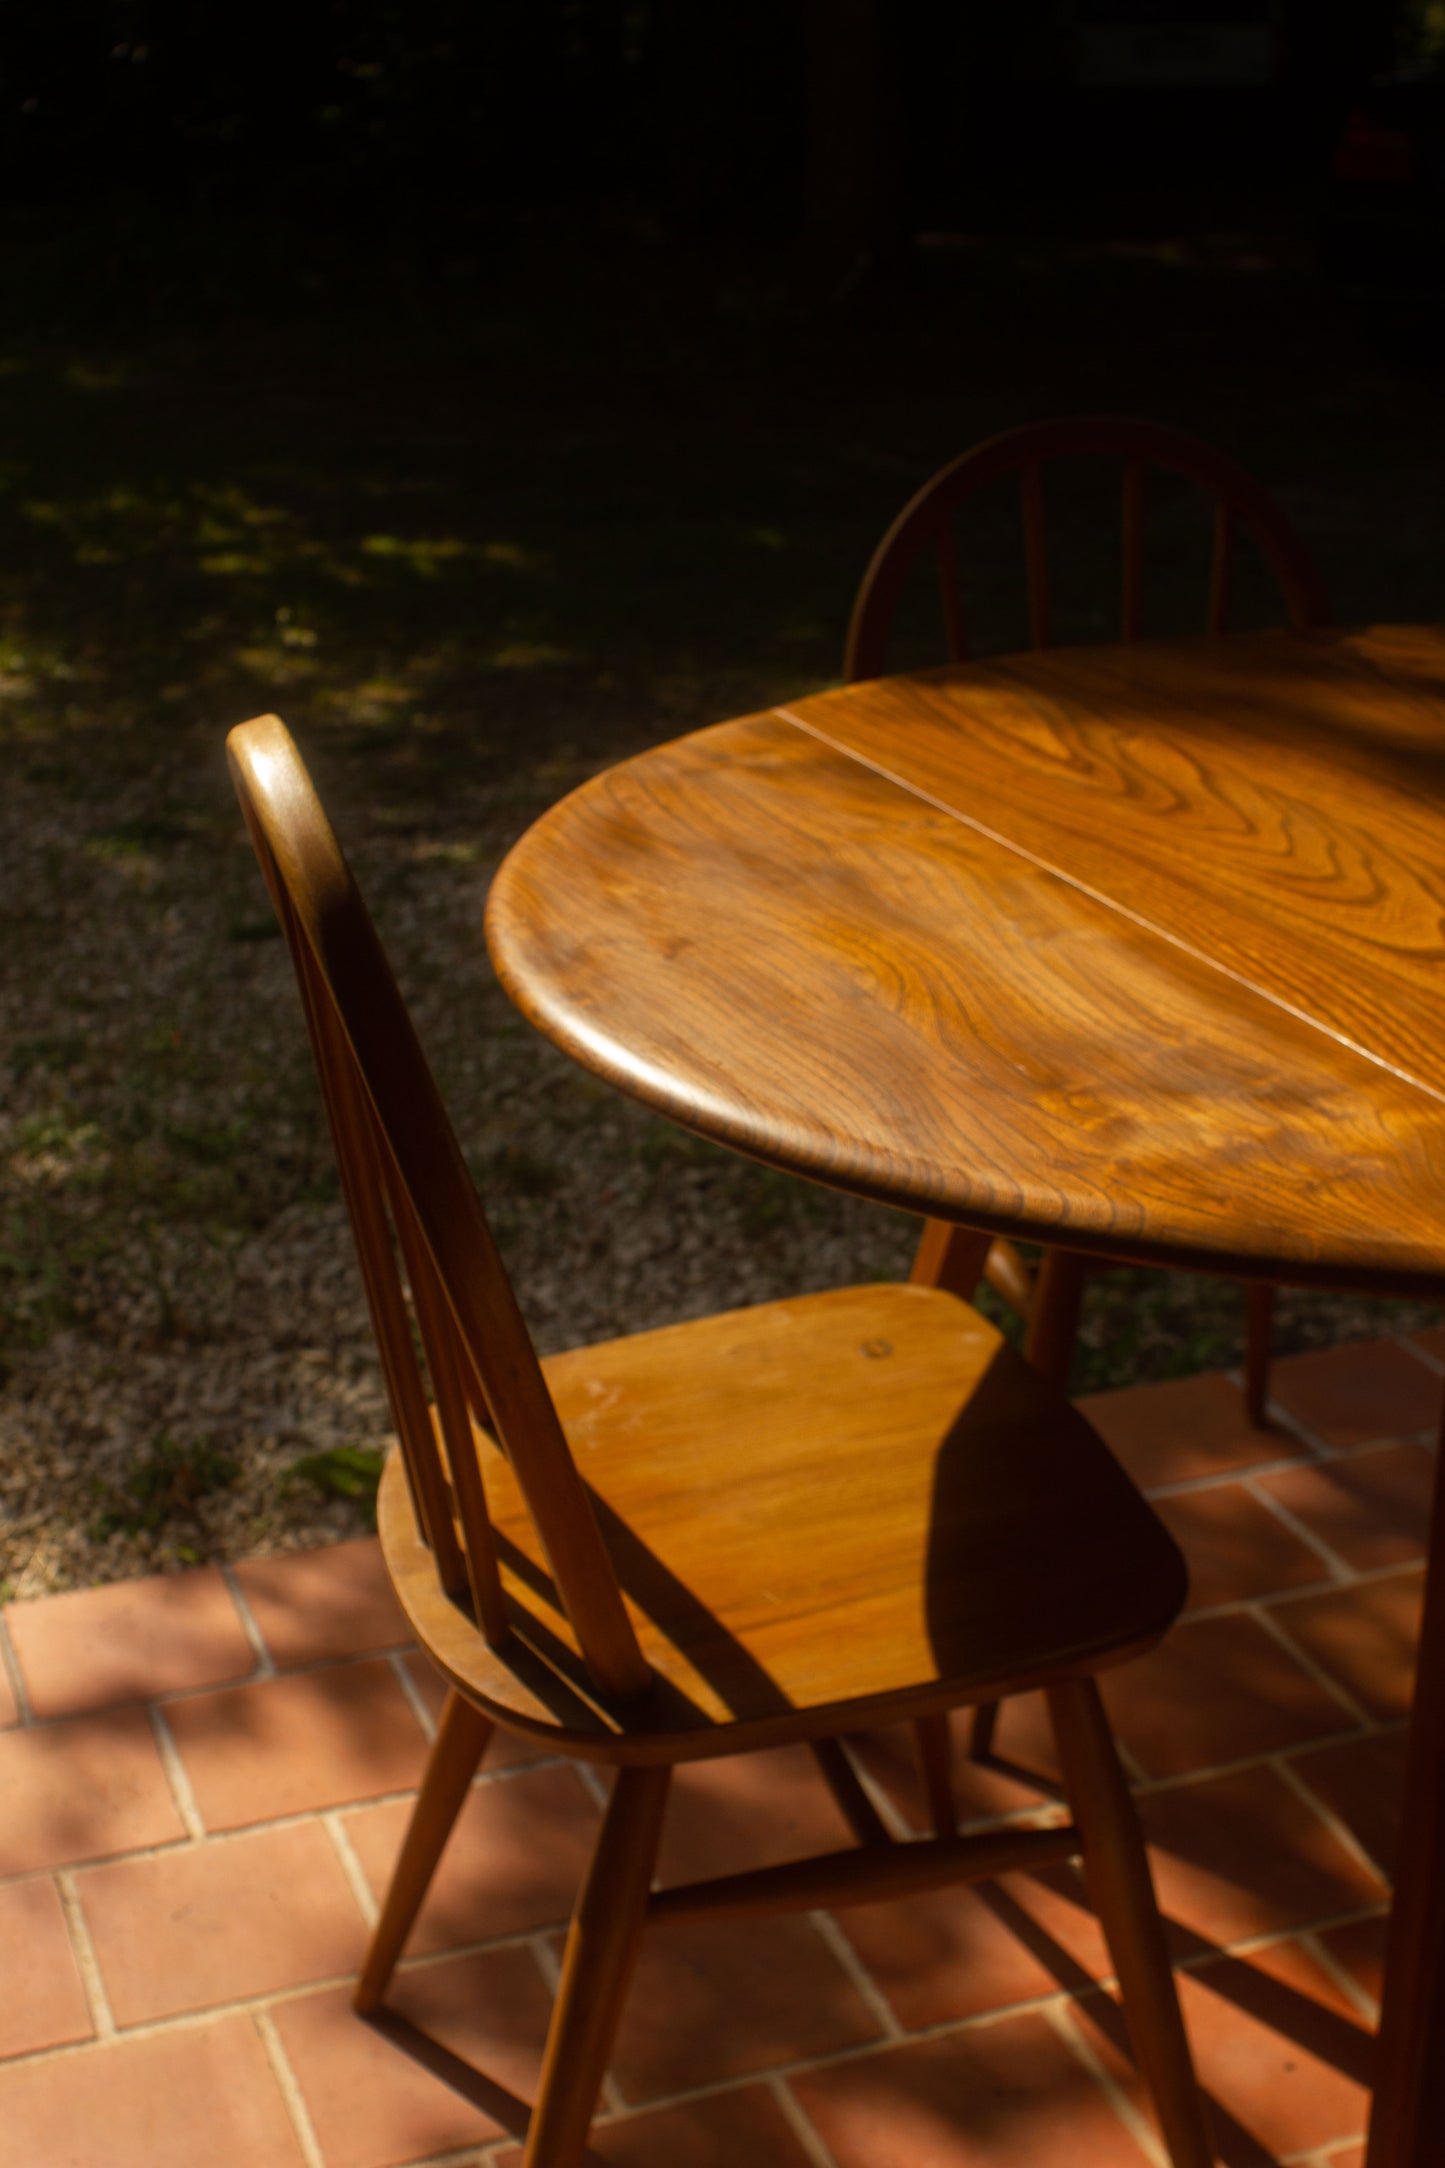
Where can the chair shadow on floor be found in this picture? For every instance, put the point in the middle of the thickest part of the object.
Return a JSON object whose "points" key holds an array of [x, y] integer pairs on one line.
{"points": [[1317, 2031]]}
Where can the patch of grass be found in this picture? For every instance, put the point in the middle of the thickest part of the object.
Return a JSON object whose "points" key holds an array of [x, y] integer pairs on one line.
{"points": [[168, 1482], [346, 1471]]}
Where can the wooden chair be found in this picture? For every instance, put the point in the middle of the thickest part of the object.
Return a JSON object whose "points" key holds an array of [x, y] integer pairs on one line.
{"points": [[947, 1256], [773, 1525]]}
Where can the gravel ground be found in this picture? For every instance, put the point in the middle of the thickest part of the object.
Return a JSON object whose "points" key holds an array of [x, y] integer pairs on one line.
{"points": [[461, 620]]}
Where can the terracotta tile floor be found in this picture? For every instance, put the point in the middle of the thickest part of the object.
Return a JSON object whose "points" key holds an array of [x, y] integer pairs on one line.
{"points": [[204, 1779]]}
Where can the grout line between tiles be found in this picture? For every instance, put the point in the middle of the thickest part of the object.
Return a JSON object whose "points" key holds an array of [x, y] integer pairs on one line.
{"points": [[1330, 1965], [87, 1963], [412, 1691], [1063, 2021], [351, 1866], [280, 1997], [469, 2156], [290, 2089], [241, 1685], [592, 1783], [1340, 1570], [1188, 1486], [858, 1974], [210, 1836], [175, 1769], [795, 2116], [889, 1813], [265, 1662], [1280, 1418], [1177, 1779], [10, 1665], [1310, 1665], [265, 1999], [1338, 1827], [1420, 1354], [1247, 1946]]}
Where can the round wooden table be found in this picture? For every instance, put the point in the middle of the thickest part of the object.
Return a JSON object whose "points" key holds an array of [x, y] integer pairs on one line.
{"points": [[1138, 949]]}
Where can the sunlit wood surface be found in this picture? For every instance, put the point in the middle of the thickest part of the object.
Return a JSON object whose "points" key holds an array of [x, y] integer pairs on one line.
{"points": [[1137, 947]]}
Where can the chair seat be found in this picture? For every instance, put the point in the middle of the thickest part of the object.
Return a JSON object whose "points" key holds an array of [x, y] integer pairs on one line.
{"points": [[900, 1516]]}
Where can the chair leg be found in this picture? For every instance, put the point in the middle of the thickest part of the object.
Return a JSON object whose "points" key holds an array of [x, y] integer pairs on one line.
{"points": [[461, 1740], [982, 1729], [601, 1951], [949, 1257], [1116, 1869], [1258, 1345], [935, 1758]]}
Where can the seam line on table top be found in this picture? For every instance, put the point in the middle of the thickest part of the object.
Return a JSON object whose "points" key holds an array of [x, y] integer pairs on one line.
{"points": [[1110, 903]]}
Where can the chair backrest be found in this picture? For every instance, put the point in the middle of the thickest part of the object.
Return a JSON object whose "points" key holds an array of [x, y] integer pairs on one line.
{"points": [[926, 524], [454, 1347]]}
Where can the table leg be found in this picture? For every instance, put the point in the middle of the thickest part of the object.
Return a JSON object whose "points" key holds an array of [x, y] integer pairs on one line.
{"points": [[1054, 1314], [1408, 2116]]}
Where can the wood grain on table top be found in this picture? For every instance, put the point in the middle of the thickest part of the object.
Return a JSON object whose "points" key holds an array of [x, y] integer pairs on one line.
{"points": [[1276, 802], [1213, 1034]]}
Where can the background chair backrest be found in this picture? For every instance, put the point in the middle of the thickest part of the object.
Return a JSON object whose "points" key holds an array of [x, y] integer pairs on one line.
{"points": [[450, 1334], [926, 524]]}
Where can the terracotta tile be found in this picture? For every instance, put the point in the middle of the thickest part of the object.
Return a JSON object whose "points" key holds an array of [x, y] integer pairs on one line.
{"points": [[82, 1790], [1217, 1690], [1235, 1547], [1281, 2052], [1363, 1782], [1349, 2156], [983, 1792], [1232, 1857], [748, 1810], [1242, 1855], [945, 1956], [505, 1749], [1364, 1636], [283, 1746], [722, 1999], [336, 1601], [1351, 1395], [1010, 2095], [205, 2093], [42, 2002], [1050, 1914], [1373, 1508], [210, 1923], [1183, 1428], [513, 1862], [716, 2132], [372, 2104], [95, 1648], [1359, 1946]]}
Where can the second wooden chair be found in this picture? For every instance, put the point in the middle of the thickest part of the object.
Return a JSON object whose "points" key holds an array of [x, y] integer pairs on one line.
{"points": [[926, 528]]}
